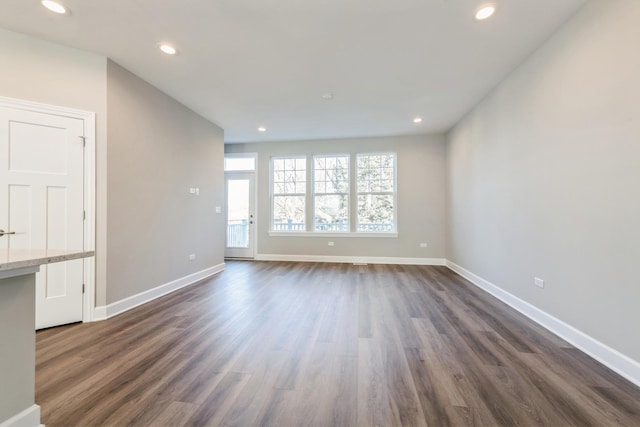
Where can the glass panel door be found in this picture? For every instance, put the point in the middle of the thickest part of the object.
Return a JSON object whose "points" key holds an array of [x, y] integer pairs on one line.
{"points": [[240, 215]]}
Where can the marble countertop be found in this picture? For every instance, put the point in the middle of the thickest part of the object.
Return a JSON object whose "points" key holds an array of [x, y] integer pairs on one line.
{"points": [[14, 259]]}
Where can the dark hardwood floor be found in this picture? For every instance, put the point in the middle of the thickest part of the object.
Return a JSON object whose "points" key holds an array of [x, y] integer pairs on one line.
{"points": [[290, 344]]}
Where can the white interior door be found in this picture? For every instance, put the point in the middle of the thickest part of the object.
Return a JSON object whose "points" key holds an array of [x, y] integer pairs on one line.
{"points": [[240, 214], [41, 201]]}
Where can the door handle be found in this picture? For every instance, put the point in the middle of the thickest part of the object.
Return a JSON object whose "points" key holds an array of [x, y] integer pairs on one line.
{"points": [[2, 232]]}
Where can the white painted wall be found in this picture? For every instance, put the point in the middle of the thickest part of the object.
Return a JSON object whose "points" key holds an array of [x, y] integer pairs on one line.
{"points": [[544, 178], [421, 198]]}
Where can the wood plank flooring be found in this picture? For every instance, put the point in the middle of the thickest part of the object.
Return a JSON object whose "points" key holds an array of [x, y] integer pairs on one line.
{"points": [[292, 344]]}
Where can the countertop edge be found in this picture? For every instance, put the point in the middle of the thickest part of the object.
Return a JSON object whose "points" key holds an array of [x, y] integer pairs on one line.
{"points": [[40, 259]]}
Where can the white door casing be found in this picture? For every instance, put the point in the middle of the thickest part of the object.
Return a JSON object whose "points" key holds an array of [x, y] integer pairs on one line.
{"points": [[43, 199]]}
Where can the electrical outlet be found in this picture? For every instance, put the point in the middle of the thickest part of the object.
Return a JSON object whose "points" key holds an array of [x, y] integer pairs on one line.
{"points": [[197, 191], [192, 257], [423, 245], [538, 282], [331, 243]]}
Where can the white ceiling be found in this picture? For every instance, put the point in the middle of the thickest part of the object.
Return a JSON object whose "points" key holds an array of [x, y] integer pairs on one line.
{"points": [[247, 63]]}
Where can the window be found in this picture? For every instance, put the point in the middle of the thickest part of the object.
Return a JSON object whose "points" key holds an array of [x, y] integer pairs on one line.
{"points": [[239, 162], [289, 193], [349, 194], [331, 193], [375, 177]]}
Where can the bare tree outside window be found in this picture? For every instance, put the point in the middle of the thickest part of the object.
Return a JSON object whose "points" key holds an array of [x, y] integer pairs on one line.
{"points": [[331, 193], [334, 202], [375, 178], [289, 193]]}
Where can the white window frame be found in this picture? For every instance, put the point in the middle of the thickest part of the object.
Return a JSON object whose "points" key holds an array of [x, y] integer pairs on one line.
{"points": [[314, 193], [394, 193], [272, 195], [309, 196]]}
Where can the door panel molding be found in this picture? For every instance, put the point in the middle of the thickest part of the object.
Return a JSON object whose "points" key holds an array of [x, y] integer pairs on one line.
{"points": [[89, 181]]}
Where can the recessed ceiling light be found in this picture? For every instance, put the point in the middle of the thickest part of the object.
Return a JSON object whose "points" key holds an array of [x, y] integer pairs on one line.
{"points": [[262, 129], [54, 6], [417, 120], [485, 11], [167, 48]]}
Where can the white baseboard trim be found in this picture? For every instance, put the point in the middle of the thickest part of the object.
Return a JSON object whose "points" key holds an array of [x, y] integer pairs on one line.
{"points": [[99, 313], [613, 359], [118, 307], [30, 417], [351, 259]]}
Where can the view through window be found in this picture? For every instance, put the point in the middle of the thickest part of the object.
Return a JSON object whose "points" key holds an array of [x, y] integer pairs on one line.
{"points": [[339, 202], [289, 193], [331, 193]]}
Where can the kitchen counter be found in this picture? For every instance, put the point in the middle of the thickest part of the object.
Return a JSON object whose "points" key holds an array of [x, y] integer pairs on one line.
{"points": [[14, 259], [18, 268]]}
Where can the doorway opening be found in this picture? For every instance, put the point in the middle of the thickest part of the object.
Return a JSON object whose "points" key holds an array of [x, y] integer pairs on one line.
{"points": [[240, 205]]}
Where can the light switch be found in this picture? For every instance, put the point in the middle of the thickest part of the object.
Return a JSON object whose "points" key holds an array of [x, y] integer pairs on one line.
{"points": [[218, 209]]}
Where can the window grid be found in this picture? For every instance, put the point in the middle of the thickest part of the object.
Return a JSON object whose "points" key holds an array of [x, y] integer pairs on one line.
{"points": [[375, 177], [331, 193], [289, 188], [332, 205]]}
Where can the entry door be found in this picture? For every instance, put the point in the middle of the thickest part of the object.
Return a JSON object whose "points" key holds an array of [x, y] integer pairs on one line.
{"points": [[41, 201], [240, 215]]}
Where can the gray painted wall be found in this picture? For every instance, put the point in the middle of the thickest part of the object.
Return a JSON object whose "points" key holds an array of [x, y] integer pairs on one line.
{"points": [[41, 71], [158, 149], [17, 345], [544, 178], [421, 197]]}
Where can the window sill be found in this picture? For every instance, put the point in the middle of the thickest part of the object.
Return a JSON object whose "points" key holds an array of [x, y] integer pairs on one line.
{"points": [[348, 234]]}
